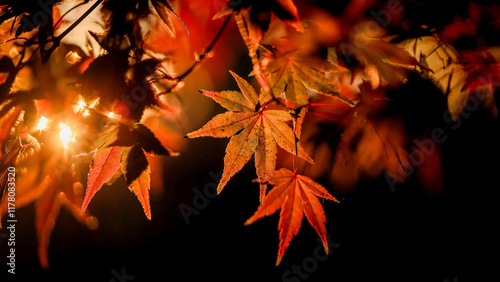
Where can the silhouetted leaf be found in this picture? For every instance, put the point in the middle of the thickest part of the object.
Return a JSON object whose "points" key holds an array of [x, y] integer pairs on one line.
{"points": [[142, 136], [8, 71], [137, 173], [105, 77]]}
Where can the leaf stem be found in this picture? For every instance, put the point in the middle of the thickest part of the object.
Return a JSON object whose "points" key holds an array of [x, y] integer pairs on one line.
{"points": [[57, 40], [207, 50]]}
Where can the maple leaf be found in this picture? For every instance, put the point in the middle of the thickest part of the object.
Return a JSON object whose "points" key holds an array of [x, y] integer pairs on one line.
{"points": [[30, 13], [105, 77], [293, 73], [8, 72], [81, 36], [47, 209], [253, 128], [126, 151], [295, 195], [137, 173], [447, 70], [160, 8], [56, 192], [382, 62], [105, 162], [7, 123], [52, 183], [482, 69], [140, 134]]}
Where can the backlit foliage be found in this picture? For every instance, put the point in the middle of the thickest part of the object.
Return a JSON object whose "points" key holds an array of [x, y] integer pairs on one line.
{"points": [[330, 96]]}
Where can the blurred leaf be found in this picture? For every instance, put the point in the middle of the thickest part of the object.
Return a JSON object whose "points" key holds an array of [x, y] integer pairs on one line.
{"points": [[447, 72], [259, 14], [7, 123], [26, 102], [9, 72], [47, 210], [482, 69], [293, 73], [160, 8]]}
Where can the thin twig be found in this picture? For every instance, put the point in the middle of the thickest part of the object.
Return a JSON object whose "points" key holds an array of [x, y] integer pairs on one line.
{"points": [[207, 50], [57, 40], [201, 57], [69, 11]]}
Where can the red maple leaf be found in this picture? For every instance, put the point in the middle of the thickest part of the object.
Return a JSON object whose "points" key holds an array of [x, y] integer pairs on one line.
{"points": [[295, 195]]}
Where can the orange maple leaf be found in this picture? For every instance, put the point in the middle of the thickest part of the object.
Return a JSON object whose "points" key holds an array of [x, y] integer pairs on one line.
{"points": [[104, 164], [254, 128], [296, 195]]}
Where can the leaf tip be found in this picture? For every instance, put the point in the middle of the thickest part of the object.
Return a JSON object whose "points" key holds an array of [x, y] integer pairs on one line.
{"points": [[325, 243], [219, 189], [85, 204], [278, 260], [174, 154]]}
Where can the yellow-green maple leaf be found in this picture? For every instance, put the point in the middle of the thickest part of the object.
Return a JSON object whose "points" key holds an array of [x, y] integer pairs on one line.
{"points": [[293, 73]]}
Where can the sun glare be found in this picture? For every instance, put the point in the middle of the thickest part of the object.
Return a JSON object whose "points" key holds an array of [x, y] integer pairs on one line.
{"points": [[42, 124], [80, 105], [65, 134]]}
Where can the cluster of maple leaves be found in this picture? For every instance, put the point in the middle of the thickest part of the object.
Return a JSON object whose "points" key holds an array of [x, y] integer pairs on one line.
{"points": [[305, 80]]}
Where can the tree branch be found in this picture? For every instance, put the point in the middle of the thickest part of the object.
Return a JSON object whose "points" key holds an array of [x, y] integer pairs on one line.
{"points": [[201, 57]]}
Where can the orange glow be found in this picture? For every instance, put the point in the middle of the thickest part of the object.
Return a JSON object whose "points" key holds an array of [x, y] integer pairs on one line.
{"points": [[42, 124], [73, 57], [80, 105], [65, 134]]}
